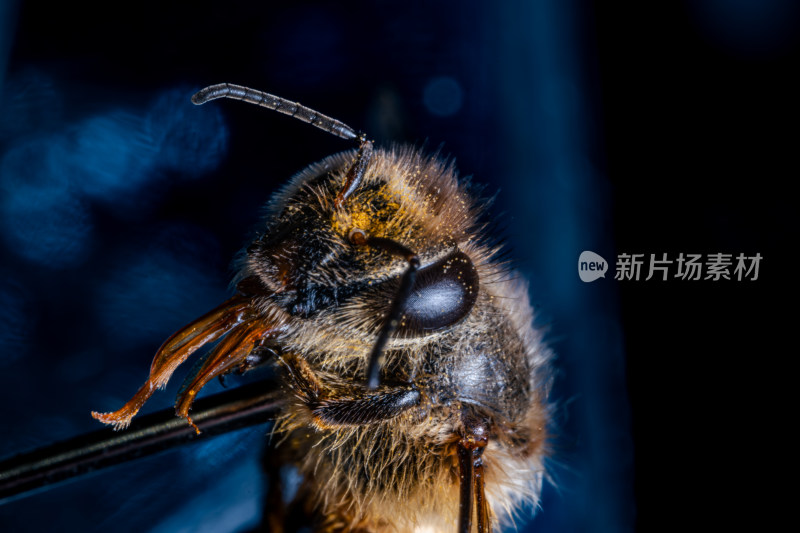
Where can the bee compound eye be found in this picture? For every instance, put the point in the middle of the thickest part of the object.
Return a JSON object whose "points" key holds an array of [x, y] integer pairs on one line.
{"points": [[443, 294]]}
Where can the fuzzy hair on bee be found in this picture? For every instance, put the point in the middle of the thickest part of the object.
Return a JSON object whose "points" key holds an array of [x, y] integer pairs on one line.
{"points": [[415, 385]]}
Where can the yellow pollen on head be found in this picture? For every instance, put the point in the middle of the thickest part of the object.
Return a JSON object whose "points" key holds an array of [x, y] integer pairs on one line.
{"points": [[360, 213]]}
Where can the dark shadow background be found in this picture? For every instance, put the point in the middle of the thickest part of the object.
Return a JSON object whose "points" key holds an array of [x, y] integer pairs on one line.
{"points": [[634, 128]]}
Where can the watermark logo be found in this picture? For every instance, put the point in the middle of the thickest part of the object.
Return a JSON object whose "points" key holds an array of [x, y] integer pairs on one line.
{"points": [[591, 266], [686, 266]]}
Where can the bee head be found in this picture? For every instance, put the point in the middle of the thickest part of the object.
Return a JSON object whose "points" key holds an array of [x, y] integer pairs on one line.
{"points": [[406, 269], [307, 259]]}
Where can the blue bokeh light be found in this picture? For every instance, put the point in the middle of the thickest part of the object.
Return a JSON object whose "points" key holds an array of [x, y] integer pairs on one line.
{"points": [[111, 156], [48, 229], [42, 218], [191, 140], [31, 101], [443, 96], [50, 180]]}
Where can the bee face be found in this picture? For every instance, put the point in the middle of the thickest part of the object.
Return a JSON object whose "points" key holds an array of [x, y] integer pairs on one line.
{"points": [[415, 384], [307, 265]]}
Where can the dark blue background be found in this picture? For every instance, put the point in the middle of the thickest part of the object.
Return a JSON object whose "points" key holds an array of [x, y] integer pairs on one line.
{"points": [[637, 129]]}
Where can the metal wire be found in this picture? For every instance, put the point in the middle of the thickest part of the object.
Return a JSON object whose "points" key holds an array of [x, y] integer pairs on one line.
{"points": [[245, 406]]}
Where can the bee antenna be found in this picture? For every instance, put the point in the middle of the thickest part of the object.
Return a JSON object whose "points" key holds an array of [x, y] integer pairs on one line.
{"points": [[395, 315], [276, 103]]}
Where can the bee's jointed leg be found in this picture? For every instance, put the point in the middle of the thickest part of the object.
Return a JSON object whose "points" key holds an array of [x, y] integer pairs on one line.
{"points": [[470, 461], [354, 406]]}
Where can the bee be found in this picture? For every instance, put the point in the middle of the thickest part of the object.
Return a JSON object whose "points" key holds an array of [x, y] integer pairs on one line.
{"points": [[415, 385]]}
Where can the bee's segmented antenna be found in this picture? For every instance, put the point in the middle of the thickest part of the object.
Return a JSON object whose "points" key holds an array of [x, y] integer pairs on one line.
{"points": [[276, 103], [393, 318]]}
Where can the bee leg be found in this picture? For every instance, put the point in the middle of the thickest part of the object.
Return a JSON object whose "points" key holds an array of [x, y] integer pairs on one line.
{"points": [[398, 304], [481, 504], [231, 353], [304, 380], [176, 350], [353, 406], [470, 462], [364, 407]]}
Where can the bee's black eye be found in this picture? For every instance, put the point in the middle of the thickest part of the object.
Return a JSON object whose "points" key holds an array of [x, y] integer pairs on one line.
{"points": [[443, 294]]}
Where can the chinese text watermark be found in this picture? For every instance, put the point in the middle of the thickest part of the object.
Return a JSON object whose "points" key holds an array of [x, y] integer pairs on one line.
{"points": [[686, 266]]}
